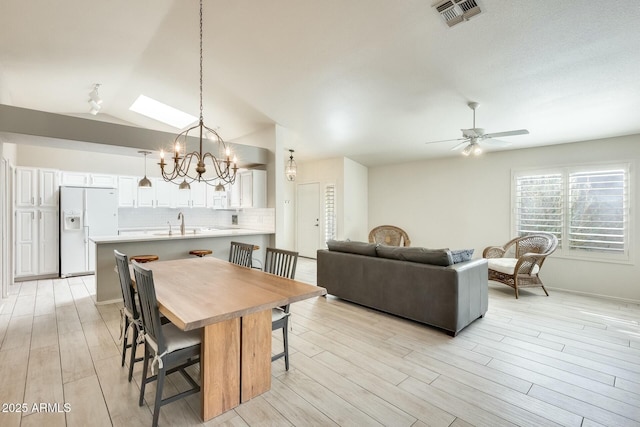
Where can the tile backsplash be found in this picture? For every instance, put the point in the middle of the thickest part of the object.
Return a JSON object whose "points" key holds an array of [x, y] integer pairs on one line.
{"points": [[255, 219]]}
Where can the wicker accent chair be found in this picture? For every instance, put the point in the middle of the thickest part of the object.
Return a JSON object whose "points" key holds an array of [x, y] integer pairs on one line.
{"points": [[518, 263], [389, 235]]}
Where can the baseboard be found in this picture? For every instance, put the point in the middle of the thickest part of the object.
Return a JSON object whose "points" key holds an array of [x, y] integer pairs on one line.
{"points": [[111, 301], [589, 294]]}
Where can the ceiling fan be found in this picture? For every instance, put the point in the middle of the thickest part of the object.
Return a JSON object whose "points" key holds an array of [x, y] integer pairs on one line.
{"points": [[474, 136]]}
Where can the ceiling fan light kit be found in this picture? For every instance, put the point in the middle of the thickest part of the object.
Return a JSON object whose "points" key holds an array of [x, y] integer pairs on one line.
{"points": [[471, 138]]}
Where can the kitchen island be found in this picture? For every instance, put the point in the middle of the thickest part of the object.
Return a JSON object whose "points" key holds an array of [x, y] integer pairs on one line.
{"points": [[167, 247]]}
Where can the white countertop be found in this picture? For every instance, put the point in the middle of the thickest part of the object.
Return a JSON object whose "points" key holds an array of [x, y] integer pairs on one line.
{"points": [[164, 235]]}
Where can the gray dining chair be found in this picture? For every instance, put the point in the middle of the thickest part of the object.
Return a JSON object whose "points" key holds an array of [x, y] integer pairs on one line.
{"points": [[282, 263], [131, 320], [241, 254], [172, 349]]}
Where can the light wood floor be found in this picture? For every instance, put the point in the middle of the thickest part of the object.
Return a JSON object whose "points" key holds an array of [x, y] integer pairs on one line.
{"points": [[537, 361]]}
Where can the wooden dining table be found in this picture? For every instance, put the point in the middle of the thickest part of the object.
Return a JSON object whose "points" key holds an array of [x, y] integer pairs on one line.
{"points": [[232, 305]]}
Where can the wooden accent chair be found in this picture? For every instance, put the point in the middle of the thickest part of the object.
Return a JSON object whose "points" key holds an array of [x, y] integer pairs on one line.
{"points": [[282, 263], [241, 254], [389, 235], [518, 262], [165, 346]]}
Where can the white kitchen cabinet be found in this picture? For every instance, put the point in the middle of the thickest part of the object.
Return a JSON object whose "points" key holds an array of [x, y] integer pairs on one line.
{"points": [[235, 199], [195, 197], [199, 194], [48, 226], [102, 180], [36, 239], [127, 191], [26, 241], [219, 199], [75, 179], [48, 188], [183, 198], [26, 187], [159, 195], [249, 190], [36, 188], [165, 193]]}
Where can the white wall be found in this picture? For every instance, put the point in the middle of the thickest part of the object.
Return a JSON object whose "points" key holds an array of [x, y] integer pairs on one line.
{"points": [[355, 200], [465, 202]]}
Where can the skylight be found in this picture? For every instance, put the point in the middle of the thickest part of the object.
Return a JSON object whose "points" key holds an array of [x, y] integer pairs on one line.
{"points": [[162, 112]]}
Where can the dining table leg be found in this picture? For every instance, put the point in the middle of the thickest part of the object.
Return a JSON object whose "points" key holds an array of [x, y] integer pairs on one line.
{"points": [[220, 367], [255, 362]]}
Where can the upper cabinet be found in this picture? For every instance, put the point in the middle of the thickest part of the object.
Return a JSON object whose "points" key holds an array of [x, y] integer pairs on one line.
{"points": [[36, 188], [102, 180], [249, 190], [76, 179], [127, 191], [85, 179], [161, 194]]}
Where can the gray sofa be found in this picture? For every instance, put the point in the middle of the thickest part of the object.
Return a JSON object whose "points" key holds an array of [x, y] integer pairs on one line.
{"points": [[414, 283]]}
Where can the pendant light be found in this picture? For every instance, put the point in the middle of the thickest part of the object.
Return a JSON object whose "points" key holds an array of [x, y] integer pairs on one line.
{"points": [[291, 169], [145, 182]]}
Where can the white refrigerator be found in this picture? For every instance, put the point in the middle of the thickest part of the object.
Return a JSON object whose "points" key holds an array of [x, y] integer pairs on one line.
{"points": [[84, 212]]}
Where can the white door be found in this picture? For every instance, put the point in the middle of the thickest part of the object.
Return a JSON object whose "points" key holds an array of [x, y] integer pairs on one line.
{"points": [[48, 260], [308, 219], [26, 243]]}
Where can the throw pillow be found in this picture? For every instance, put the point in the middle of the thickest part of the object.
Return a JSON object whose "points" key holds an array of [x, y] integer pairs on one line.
{"points": [[461, 255], [358, 248], [440, 257]]}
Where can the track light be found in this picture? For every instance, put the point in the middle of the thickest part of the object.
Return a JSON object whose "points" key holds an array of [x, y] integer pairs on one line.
{"points": [[95, 102]]}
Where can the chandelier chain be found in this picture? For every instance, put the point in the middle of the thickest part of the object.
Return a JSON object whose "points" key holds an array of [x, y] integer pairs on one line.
{"points": [[192, 166], [200, 60]]}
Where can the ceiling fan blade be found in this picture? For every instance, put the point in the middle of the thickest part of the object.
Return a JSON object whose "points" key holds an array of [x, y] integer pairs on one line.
{"points": [[507, 133], [496, 143], [462, 144], [446, 140]]}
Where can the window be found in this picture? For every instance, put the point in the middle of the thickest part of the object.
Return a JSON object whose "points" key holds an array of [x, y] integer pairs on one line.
{"points": [[587, 208], [329, 212]]}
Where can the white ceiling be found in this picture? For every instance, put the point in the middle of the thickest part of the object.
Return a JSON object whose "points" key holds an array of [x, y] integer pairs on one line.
{"points": [[368, 79]]}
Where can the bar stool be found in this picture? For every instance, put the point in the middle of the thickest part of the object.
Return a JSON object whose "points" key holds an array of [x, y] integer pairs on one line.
{"points": [[200, 252], [141, 259]]}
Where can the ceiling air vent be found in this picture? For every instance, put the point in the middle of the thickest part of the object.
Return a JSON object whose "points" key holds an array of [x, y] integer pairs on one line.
{"points": [[455, 11]]}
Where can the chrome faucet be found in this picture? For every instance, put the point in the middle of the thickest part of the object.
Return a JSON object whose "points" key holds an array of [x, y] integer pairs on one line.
{"points": [[181, 217], [169, 228]]}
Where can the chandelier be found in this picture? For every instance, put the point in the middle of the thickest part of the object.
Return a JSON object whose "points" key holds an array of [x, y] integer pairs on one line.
{"points": [[190, 167]]}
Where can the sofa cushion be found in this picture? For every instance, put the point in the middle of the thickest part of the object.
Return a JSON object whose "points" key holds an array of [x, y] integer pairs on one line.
{"points": [[440, 257], [461, 255], [359, 248]]}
